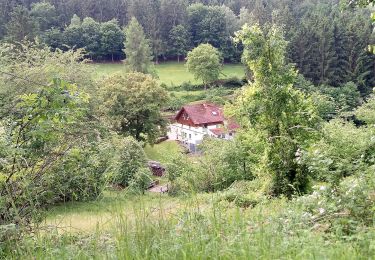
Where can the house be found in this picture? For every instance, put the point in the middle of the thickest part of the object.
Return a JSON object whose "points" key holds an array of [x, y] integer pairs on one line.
{"points": [[193, 122]]}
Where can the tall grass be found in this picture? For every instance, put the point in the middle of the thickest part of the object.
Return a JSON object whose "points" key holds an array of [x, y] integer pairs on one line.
{"points": [[201, 227]]}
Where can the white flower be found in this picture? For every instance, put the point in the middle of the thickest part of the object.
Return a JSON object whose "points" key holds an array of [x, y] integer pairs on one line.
{"points": [[322, 188], [321, 210]]}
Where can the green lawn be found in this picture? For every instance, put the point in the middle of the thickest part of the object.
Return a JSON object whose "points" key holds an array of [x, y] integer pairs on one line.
{"points": [[170, 73], [163, 152]]}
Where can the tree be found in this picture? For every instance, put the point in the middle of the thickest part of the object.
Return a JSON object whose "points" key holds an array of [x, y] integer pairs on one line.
{"points": [[208, 25], [366, 112], [137, 49], [132, 103], [112, 40], [45, 15], [178, 41], [73, 37], [205, 63], [91, 36], [21, 25], [273, 114]]}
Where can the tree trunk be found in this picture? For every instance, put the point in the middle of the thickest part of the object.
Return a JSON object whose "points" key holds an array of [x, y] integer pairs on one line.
{"points": [[112, 57], [178, 58]]}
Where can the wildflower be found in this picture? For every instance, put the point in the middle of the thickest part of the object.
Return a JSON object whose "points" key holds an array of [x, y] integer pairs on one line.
{"points": [[321, 210]]}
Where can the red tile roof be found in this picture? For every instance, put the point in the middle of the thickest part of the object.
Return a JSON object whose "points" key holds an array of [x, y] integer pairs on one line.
{"points": [[205, 113], [230, 128]]}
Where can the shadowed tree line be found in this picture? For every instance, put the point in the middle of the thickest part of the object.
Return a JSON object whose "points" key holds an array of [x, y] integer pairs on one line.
{"points": [[328, 44]]}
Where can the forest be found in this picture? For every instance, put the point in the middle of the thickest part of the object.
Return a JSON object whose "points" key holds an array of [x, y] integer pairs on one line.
{"points": [[89, 91], [326, 43]]}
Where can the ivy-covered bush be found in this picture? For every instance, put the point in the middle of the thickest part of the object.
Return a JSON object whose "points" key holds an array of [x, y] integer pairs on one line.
{"points": [[130, 163]]}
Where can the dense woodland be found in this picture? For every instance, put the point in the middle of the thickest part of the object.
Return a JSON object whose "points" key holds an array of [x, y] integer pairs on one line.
{"points": [[297, 181], [327, 44]]}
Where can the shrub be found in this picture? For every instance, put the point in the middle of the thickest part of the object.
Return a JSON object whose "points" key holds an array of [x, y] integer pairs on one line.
{"points": [[344, 209], [245, 193], [43, 161], [141, 180], [343, 149], [131, 159], [80, 176]]}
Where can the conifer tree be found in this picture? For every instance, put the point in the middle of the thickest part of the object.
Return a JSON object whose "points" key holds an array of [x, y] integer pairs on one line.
{"points": [[137, 49]]}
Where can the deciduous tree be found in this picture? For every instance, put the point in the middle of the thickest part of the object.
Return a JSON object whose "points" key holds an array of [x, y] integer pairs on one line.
{"points": [[178, 41], [205, 63], [132, 102]]}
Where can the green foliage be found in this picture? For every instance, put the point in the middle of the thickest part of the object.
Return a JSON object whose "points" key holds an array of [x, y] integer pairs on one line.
{"points": [[73, 33], [366, 112], [131, 104], [31, 65], [224, 163], [178, 41], [137, 50], [346, 97], [277, 115], [343, 150], [221, 164], [205, 63], [344, 211], [90, 36], [21, 25], [45, 15], [141, 180], [43, 160], [111, 40], [331, 101], [131, 165]]}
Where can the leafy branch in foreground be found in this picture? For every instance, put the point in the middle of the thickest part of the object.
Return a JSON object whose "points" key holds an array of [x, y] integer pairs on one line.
{"points": [[41, 148]]}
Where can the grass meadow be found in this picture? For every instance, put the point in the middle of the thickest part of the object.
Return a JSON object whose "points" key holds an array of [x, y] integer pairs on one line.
{"points": [[156, 226], [162, 152], [169, 73]]}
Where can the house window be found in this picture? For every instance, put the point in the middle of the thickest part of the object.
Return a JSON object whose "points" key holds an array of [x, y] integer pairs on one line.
{"points": [[189, 136], [205, 125]]}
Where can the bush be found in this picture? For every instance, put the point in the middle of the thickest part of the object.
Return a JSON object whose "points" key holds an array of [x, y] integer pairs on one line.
{"points": [[43, 161], [129, 159], [343, 150], [245, 193], [80, 176], [345, 209], [141, 180]]}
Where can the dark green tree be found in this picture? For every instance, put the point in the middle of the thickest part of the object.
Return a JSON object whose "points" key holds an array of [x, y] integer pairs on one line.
{"points": [[112, 40], [179, 41], [21, 25], [73, 36], [45, 15], [91, 37]]}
